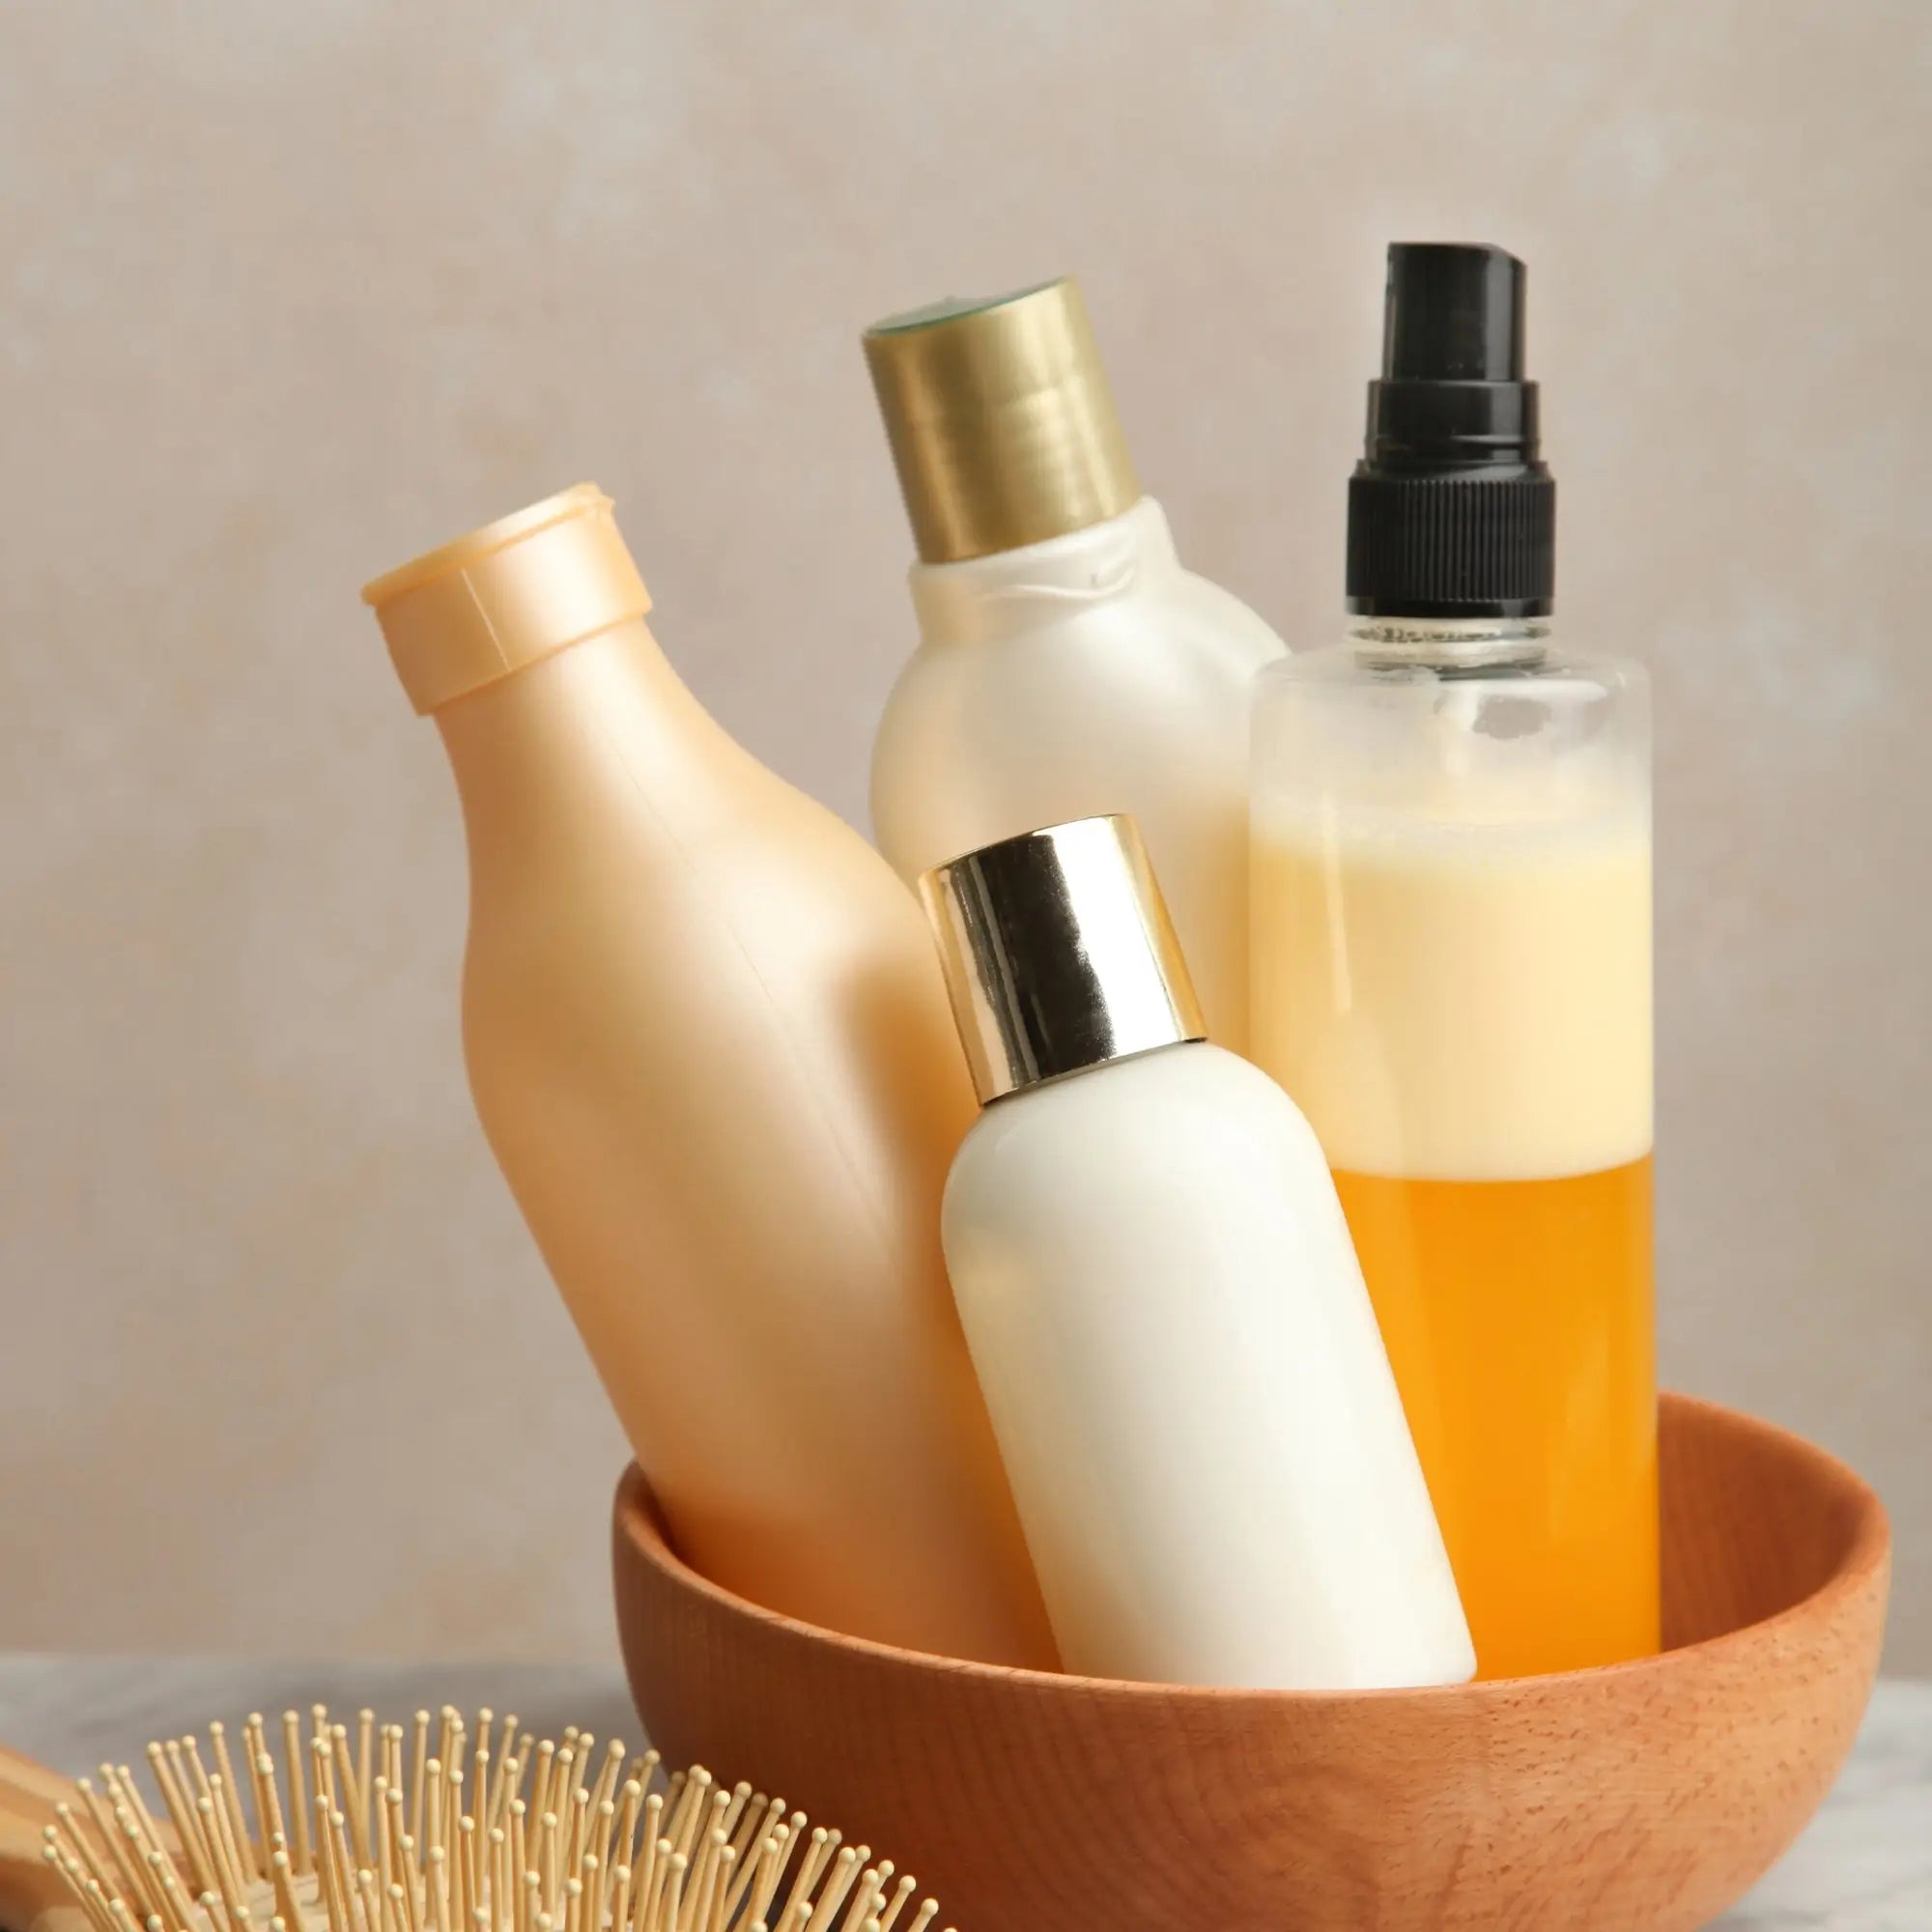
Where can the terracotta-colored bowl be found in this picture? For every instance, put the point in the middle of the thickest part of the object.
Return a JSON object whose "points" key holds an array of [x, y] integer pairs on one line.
{"points": [[1643, 1794]]}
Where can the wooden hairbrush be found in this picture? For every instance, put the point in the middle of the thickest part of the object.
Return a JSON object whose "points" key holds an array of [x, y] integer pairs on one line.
{"points": [[370, 1832]]}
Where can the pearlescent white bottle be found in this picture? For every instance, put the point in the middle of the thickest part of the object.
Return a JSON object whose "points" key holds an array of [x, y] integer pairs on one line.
{"points": [[1190, 1394], [1067, 665]]}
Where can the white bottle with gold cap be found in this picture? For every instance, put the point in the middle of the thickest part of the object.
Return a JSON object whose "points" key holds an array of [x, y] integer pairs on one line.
{"points": [[1185, 1373], [1067, 665], [708, 1040]]}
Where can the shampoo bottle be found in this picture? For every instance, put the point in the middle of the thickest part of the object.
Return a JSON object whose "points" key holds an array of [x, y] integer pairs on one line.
{"points": [[1195, 1409], [709, 1044], [1067, 665], [1452, 975]]}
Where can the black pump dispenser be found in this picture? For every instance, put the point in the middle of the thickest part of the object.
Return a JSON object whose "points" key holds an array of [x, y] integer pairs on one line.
{"points": [[1451, 511]]}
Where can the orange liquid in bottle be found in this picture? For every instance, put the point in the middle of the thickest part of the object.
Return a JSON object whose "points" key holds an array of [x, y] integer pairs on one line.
{"points": [[1460, 1004], [1518, 1318]]}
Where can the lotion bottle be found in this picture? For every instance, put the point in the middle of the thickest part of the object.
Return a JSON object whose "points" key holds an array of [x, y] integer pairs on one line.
{"points": [[709, 1044], [1184, 1373], [1452, 974], [1067, 665]]}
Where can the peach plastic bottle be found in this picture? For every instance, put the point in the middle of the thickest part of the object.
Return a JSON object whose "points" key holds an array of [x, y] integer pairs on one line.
{"points": [[710, 1046]]}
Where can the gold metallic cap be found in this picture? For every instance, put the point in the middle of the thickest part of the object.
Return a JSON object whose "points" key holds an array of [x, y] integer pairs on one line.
{"points": [[506, 595], [1058, 953], [1000, 421]]}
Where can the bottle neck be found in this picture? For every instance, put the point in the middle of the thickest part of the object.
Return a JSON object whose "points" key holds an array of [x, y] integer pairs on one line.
{"points": [[606, 712], [1014, 590], [1448, 644]]}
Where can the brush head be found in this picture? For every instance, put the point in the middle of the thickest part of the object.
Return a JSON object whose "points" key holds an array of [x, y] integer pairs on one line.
{"points": [[452, 1831]]}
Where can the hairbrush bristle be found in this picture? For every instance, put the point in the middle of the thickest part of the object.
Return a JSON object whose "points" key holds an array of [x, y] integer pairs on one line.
{"points": [[490, 1831]]}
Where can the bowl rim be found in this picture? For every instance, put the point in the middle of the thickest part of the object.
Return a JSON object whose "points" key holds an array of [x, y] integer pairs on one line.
{"points": [[1868, 1553]]}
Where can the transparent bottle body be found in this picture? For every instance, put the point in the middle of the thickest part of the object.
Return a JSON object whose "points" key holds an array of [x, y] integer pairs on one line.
{"points": [[1451, 906]]}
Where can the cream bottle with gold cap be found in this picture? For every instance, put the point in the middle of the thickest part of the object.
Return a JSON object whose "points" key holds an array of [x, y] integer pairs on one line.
{"points": [[1067, 665], [709, 1044], [1199, 1420]]}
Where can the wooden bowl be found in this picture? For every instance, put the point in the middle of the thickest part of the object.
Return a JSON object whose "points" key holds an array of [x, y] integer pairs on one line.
{"points": [[1642, 1795]]}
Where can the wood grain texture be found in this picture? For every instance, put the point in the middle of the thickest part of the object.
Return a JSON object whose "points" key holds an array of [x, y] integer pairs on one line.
{"points": [[1648, 1795]]}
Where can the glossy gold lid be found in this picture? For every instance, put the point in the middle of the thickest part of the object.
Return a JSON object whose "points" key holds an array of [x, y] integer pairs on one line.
{"points": [[999, 420], [505, 595], [1058, 953]]}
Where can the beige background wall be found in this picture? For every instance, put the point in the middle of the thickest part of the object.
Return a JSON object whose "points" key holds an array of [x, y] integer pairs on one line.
{"points": [[294, 290]]}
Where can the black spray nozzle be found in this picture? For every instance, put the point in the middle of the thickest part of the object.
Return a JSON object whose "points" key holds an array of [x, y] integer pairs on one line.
{"points": [[1450, 413], [1453, 314], [1451, 391]]}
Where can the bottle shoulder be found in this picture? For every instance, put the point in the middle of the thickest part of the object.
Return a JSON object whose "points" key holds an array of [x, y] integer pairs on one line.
{"points": [[1091, 674], [1143, 671], [1353, 748], [1348, 664], [1118, 582], [984, 739], [1183, 630], [1186, 1161], [1181, 1106]]}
